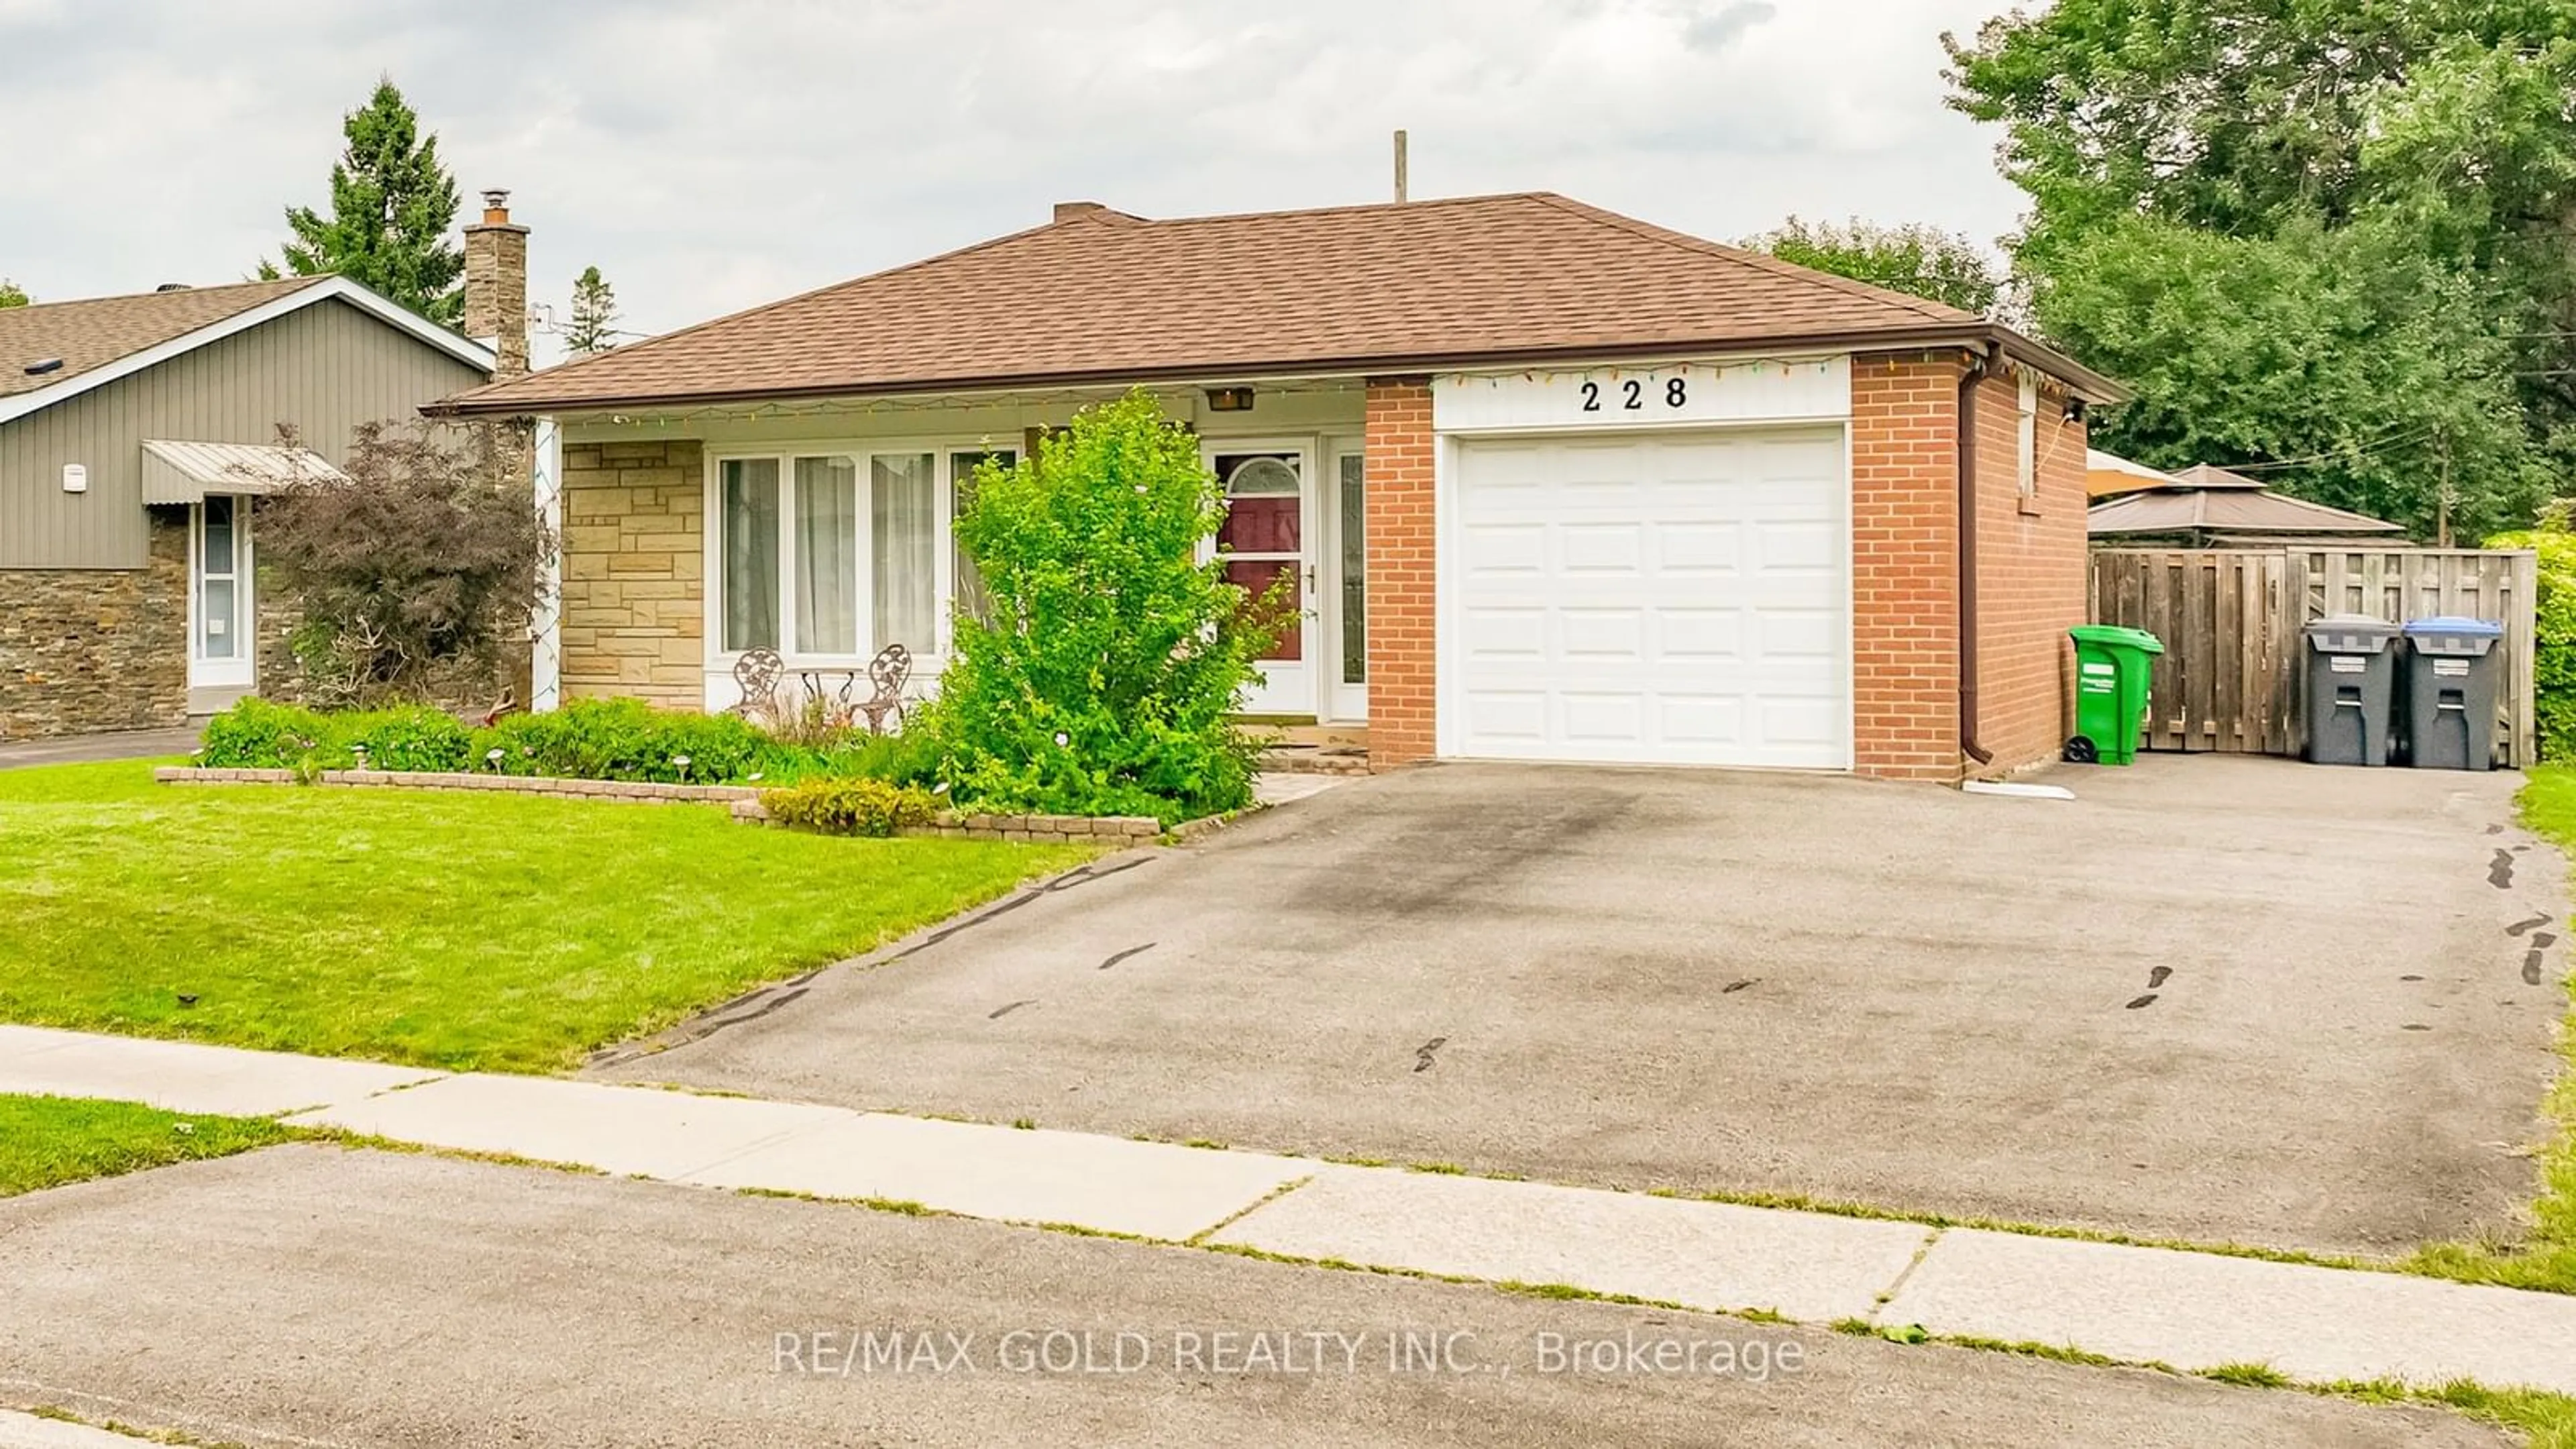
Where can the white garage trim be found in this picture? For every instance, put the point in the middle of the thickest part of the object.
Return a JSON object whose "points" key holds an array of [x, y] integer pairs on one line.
{"points": [[1647, 706]]}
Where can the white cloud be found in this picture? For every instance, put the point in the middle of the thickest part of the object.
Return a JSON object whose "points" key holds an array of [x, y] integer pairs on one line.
{"points": [[709, 156]]}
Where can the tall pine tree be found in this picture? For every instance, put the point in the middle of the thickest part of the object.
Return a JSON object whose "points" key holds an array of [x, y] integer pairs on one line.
{"points": [[392, 205], [594, 315]]}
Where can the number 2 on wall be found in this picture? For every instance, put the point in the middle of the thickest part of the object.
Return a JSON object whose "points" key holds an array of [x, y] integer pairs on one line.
{"points": [[1633, 394]]}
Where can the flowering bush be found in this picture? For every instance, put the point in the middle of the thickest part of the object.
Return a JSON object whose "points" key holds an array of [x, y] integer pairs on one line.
{"points": [[1103, 671]]}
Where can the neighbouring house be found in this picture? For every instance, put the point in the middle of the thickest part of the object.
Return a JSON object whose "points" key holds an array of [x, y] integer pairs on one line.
{"points": [[136, 433], [2205, 507], [2108, 475], [1554, 483]]}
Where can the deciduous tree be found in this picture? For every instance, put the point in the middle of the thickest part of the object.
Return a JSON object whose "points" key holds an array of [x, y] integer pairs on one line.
{"points": [[2393, 180], [424, 556], [1921, 261]]}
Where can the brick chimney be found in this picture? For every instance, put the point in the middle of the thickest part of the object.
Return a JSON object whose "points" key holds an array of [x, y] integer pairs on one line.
{"points": [[496, 286]]}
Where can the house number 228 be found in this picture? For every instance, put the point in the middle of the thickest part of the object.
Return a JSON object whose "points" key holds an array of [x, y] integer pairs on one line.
{"points": [[1632, 395]]}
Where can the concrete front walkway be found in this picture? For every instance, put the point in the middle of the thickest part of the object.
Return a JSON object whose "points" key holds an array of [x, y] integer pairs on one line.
{"points": [[2188, 1310]]}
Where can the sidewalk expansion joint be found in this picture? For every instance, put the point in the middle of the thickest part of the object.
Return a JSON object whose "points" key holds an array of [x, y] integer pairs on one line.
{"points": [[1888, 1294], [1199, 1238]]}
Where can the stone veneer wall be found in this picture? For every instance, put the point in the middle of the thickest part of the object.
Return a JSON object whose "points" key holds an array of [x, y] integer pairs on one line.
{"points": [[97, 649], [634, 609]]}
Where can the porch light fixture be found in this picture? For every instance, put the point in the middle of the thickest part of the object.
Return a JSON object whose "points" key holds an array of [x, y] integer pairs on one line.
{"points": [[1229, 399]]}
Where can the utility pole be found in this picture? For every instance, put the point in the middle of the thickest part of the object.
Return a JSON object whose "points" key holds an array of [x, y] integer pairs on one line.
{"points": [[2442, 527], [1399, 165]]}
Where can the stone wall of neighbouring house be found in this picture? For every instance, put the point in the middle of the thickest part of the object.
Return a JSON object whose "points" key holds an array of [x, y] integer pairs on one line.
{"points": [[634, 612], [97, 649]]}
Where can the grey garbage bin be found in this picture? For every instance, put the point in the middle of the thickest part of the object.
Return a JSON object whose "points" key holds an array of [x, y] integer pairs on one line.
{"points": [[2450, 692], [2352, 681]]}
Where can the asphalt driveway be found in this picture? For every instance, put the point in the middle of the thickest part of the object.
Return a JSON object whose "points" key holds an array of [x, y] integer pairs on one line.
{"points": [[2214, 998]]}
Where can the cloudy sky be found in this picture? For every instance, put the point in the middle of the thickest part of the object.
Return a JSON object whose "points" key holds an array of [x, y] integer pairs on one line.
{"points": [[712, 154]]}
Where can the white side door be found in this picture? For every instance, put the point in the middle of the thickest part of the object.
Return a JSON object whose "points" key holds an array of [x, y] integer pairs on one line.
{"points": [[222, 644]]}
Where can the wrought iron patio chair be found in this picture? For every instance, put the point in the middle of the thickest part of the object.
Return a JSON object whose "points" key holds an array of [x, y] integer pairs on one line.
{"points": [[887, 673], [756, 676]]}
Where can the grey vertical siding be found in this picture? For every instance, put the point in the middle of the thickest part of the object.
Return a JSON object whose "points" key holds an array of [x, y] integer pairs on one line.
{"points": [[326, 368]]}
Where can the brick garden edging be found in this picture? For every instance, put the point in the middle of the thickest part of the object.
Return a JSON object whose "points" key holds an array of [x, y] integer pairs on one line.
{"points": [[629, 791]]}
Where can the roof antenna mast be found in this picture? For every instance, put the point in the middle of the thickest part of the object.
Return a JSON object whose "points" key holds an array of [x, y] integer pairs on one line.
{"points": [[1399, 165]]}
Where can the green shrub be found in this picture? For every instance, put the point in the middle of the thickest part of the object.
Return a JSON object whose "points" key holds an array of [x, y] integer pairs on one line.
{"points": [[853, 805], [623, 739], [2553, 664], [910, 758], [1104, 671], [414, 738], [257, 735], [587, 739]]}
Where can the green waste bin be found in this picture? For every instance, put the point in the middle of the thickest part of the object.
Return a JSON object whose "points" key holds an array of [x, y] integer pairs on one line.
{"points": [[2110, 692]]}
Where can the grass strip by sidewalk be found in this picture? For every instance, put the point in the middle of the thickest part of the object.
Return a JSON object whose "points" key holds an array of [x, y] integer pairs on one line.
{"points": [[49, 1141], [463, 932], [2545, 1258]]}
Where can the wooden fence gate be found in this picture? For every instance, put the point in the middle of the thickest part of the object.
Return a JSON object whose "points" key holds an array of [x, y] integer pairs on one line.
{"points": [[2231, 677]]}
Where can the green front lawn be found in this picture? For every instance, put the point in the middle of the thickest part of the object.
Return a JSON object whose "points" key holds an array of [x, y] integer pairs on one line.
{"points": [[471, 932], [48, 1141], [2546, 1257]]}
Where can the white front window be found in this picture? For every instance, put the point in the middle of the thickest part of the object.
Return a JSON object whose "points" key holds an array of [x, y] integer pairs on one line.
{"points": [[829, 555]]}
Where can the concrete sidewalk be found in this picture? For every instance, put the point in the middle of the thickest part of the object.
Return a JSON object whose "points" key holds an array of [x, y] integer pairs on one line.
{"points": [[2191, 1311]]}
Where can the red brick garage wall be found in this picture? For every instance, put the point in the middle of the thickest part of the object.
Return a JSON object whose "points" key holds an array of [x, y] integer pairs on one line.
{"points": [[1905, 600], [1399, 518], [2030, 573], [1905, 565]]}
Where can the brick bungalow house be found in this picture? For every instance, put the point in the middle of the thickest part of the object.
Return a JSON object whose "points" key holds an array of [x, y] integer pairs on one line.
{"points": [[136, 434], [1555, 484]]}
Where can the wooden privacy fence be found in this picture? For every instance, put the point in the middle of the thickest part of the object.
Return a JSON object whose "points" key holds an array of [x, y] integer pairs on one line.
{"points": [[2232, 676]]}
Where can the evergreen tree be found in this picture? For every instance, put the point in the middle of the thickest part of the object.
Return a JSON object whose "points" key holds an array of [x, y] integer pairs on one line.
{"points": [[392, 204], [594, 315]]}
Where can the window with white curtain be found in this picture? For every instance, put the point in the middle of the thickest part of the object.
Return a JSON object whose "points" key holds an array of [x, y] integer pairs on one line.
{"points": [[834, 555], [903, 532], [750, 552], [827, 556]]}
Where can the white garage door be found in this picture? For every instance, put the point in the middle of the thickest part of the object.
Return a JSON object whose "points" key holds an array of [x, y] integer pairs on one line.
{"points": [[1676, 598]]}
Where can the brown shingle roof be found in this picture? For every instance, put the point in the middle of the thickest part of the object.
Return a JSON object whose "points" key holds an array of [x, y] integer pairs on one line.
{"points": [[1103, 296], [91, 334]]}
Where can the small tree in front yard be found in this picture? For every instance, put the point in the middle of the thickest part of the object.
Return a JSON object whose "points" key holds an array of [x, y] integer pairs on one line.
{"points": [[424, 558], [1103, 674]]}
